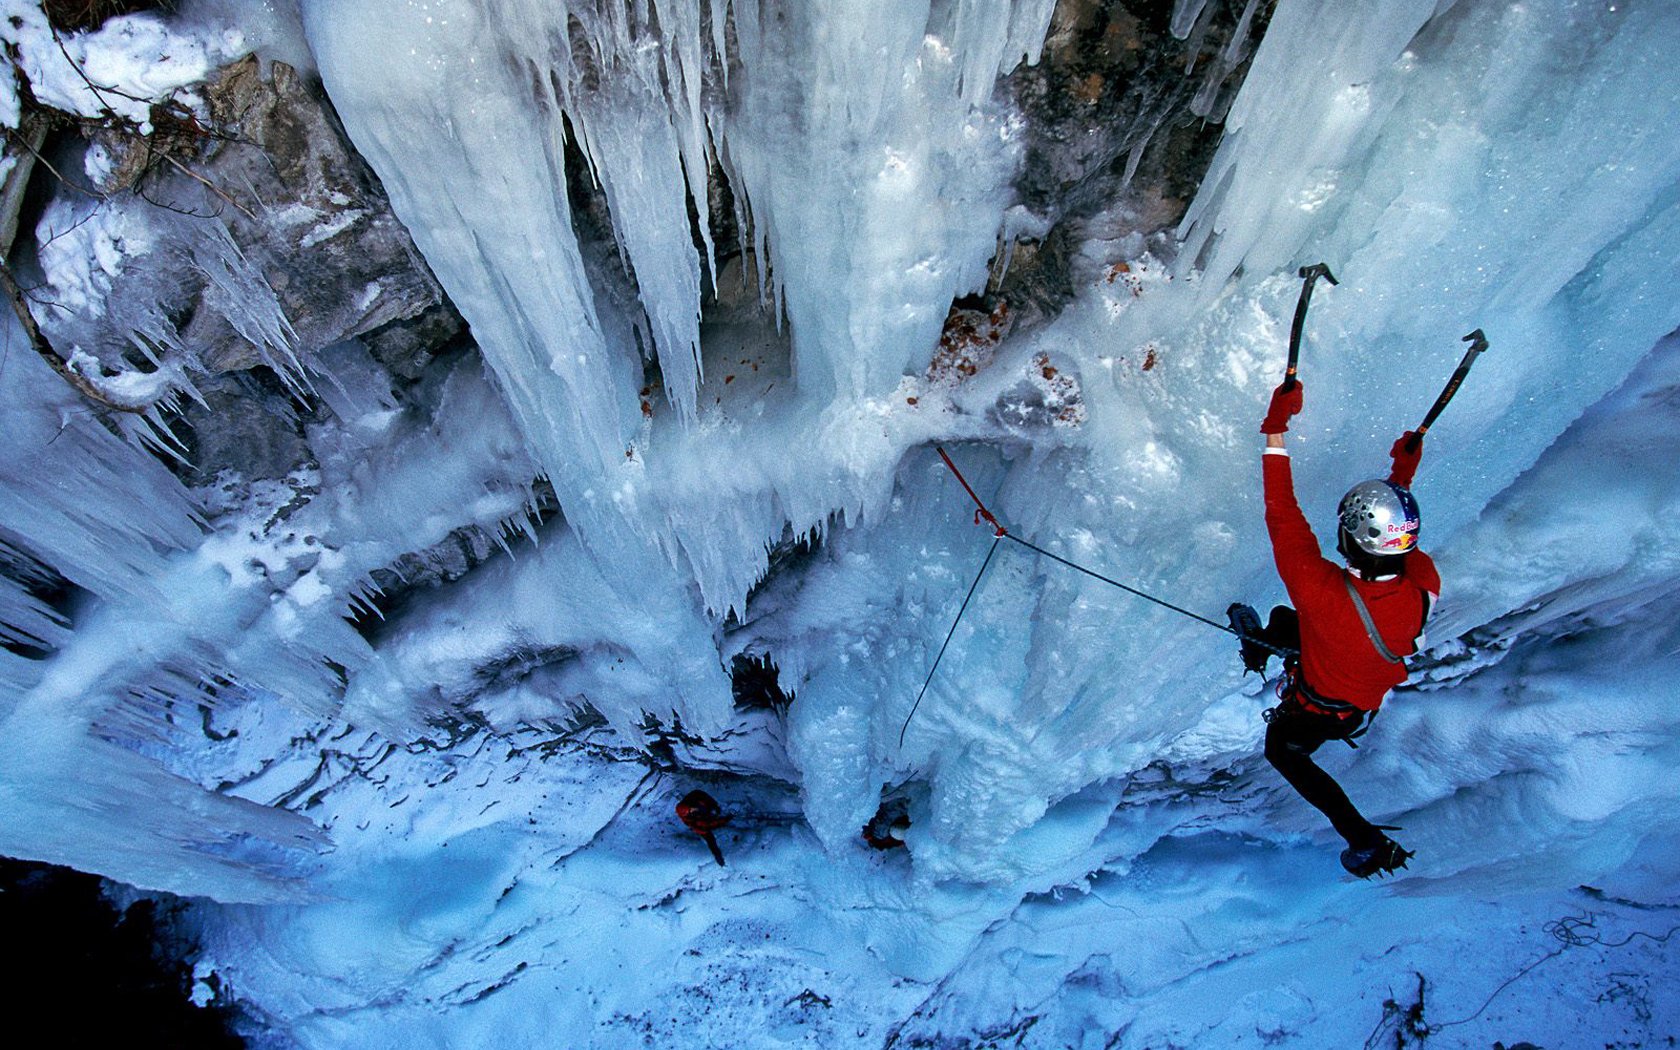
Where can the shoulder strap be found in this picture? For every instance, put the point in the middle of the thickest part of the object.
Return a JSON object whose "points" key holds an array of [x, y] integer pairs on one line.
{"points": [[1365, 618]]}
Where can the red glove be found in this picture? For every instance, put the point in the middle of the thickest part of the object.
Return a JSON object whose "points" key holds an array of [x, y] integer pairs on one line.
{"points": [[1286, 402], [1407, 450]]}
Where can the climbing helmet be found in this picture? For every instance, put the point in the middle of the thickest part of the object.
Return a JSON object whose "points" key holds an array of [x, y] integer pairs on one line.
{"points": [[1379, 517]]}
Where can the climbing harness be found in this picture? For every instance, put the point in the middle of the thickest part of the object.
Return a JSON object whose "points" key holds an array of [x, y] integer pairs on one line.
{"points": [[1293, 689], [999, 535]]}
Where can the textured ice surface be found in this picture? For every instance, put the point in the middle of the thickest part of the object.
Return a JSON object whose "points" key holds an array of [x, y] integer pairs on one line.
{"points": [[556, 894], [1094, 842], [175, 607]]}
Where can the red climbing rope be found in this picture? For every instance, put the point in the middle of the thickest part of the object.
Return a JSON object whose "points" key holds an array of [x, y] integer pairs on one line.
{"points": [[982, 512]]}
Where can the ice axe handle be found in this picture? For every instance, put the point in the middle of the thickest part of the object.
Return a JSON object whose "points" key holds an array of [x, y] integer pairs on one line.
{"points": [[1309, 274], [1478, 342]]}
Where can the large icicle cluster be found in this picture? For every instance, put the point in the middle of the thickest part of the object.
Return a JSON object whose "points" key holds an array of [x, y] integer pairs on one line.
{"points": [[851, 138], [243, 588], [81, 509]]}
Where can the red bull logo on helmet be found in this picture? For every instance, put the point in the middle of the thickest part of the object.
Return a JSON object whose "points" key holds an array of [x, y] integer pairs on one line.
{"points": [[1400, 536]]}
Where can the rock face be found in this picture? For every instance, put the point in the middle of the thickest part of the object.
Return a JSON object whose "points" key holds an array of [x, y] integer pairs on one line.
{"points": [[1122, 106], [339, 262], [1123, 115], [247, 232], [246, 426], [283, 244]]}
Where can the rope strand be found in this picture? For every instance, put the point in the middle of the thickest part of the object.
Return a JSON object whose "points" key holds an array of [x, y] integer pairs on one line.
{"points": [[999, 534], [1261, 642], [949, 635], [1116, 583]]}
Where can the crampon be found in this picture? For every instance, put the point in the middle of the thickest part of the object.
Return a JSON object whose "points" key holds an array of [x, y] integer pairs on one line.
{"points": [[1245, 624], [1382, 858]]}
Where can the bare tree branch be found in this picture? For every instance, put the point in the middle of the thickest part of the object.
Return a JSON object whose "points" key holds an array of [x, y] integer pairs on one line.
{"points": [[212, 187], [31, 135], [32, 147]]}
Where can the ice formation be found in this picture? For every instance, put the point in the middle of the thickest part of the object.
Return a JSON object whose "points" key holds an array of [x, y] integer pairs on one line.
{"points": [[1459, 165], [847, 181]]}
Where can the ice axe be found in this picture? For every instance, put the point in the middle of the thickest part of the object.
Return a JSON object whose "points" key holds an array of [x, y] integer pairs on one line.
{"points": [[1309, 274], [1478, 342]]}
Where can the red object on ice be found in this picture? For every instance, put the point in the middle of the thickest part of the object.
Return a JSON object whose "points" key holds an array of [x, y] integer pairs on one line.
{"points": [[701, 813]]}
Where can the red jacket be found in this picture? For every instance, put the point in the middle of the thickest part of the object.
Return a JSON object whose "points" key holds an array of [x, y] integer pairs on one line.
{"points": [[1337, 657]]}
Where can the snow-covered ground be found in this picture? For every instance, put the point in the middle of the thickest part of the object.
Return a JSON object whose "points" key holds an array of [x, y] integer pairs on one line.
{"points": [[456, 828]]}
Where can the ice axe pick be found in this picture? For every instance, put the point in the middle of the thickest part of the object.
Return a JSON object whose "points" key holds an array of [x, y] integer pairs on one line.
{"points": [[1309, 274], [1478, 342]]}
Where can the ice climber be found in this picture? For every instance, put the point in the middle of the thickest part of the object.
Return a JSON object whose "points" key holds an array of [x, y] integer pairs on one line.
{"points": [[701, 814], [1352, 624], [886, 828]]}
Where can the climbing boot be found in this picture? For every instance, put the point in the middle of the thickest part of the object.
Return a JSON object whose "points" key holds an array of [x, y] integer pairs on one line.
{"points": [[1380, 858], [1245, 623]]}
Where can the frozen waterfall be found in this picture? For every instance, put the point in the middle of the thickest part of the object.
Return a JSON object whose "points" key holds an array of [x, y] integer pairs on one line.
{"points": [[706, 253]]}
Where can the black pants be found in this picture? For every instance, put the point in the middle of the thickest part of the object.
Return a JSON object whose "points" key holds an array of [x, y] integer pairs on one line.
{"points": [[1291, 738]]}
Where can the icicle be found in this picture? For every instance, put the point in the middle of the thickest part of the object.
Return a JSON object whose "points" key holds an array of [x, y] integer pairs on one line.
{"points": [[1230, 56], [489, 208], [1236, 49], [719, 10], [685, 65], [1134, 157], [980, 36], [1193, 46], [1028, 30], [94, 507], [629, 131], [241, 294], [25, 620], [361, 603], [851, 146], [1184, 16], [1307, 67], [523, 523], [993, 38]]}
